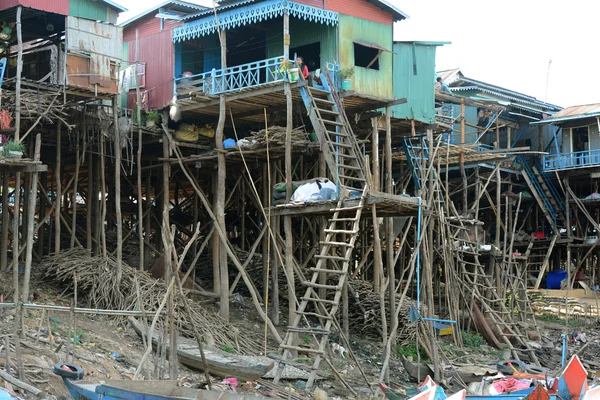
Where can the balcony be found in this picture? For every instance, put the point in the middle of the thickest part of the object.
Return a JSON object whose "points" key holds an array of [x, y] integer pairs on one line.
{"points": [[566, 161], [232, 79]]}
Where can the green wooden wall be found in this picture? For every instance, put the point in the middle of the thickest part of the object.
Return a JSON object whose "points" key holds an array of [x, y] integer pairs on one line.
{"points": [[92, 10], [303, 33], [417, 87], [365, 80]]}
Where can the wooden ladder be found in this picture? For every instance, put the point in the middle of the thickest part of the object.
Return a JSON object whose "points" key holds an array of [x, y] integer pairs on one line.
{"points": [[335, 251], [342, 152]]}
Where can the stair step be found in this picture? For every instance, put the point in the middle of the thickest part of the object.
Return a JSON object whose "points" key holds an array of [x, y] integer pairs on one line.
{"points": [[346, 209], [340, 231], [352, 167], [319, 91], [354, 178], [341, 144], [338, 258], [323, 100], [328, 271], [339, 244], [309, 331], [334, 133], [301, 349], [329, 122], [326, 111], [312, 314], [320, 300], [320, 286], [343, 219]]}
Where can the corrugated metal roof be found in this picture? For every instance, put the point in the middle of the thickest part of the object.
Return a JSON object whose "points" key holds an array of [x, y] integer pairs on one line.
{"points": [[388, 7], [226, 6], [383, 4], [176, 5], [574, 113], [114, 5]]}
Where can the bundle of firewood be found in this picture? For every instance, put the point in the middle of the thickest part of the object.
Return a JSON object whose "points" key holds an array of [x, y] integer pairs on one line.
{"points": [[97, 278]]}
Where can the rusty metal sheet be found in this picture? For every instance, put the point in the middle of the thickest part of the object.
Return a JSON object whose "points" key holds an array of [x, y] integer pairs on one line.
{"points": [[101, 43]]}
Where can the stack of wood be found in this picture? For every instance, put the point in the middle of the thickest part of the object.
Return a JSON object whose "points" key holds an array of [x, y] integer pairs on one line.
{"points": [[46, 105], [96, 279]]}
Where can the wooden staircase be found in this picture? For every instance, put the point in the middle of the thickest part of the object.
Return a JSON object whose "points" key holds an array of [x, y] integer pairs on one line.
{"points": [[342, 153], [347, 165]]}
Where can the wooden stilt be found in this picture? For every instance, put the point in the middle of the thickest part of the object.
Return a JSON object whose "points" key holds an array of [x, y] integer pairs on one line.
{"points": [[90, 201], [30, 221], [58, 195], [215, 239], [117, 182], [222, 173], [5, 222], [390, 239], [287, 220], [375, 168], [139, 158], [102, 197], [75, 182]]}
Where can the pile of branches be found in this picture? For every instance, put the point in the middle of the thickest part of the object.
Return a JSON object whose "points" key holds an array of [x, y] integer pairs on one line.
{"points": [[258, 140], [45, 104], [97, 279], [366, 319]]}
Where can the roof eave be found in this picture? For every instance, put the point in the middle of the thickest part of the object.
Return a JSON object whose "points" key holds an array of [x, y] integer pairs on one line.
{"points": [[567, 118], [115, 6], [398, 14]]}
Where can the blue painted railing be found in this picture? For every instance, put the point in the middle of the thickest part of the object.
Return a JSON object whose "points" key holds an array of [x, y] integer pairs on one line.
{"points": [[578, 159], [234, 79]]}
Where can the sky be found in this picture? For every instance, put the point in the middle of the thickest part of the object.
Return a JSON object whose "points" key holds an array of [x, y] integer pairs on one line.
{"points": [[508, 43]]}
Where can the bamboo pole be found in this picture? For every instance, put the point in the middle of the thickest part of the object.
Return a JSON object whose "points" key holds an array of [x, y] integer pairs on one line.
{"points": [[215, 238]]}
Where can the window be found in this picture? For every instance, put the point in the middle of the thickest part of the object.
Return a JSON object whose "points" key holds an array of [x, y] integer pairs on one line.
{"points": [[366, 57], [132, 75]]}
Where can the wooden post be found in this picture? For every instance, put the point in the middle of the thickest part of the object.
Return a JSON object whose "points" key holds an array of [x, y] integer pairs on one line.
{"points": [[5, 221], [147, 222], [75, 181], [58, 197], [17, 228], [91, 201], [215, 238], [222, 173], [287, 220], [275, 264], [266, 238], [118, 216], [508, 137], [103, 196], [377, 249], [390, 224], [30, 220], [243, 215], [323, 225], [462, 159], [167, 254], [139, 154], [18, 75]]}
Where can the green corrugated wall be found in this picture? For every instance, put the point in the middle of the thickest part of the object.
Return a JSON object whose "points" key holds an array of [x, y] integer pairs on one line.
{"points": [[416, 88], [367, 81], [93, 10]]}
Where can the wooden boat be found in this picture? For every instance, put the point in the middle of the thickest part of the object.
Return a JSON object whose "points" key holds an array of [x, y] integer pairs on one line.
{"points": [[465, 374], [136, 390], [416, 371], [220, 364]]}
